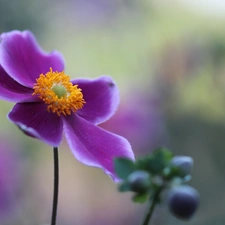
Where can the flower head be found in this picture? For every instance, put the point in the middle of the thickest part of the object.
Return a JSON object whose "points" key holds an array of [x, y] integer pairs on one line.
{"points": [[48, 102], [56, 90]]}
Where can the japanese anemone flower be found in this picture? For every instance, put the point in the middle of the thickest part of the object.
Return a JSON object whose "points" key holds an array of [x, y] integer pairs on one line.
{"points": [[49, 104]]}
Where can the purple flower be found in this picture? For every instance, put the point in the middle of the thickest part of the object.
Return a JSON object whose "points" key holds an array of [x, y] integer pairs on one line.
{"points": [[48, 103], [93, 12], [142, 126]]}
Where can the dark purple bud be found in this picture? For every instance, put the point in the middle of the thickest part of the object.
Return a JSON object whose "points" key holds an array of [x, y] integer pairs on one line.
{"points": [[183, 201], [139, 181], [184, 163]]}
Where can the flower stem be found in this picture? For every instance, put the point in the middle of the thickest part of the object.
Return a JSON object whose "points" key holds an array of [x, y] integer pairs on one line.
{"points": [[152, 205], [56, 185]]}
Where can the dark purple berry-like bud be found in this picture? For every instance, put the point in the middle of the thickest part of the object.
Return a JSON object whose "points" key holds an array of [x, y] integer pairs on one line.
{"points": [[184, 163], [139, 181], [183, 201]]}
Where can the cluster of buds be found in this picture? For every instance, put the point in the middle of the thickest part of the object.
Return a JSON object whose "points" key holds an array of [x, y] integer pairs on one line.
{"points": [[157, 173]]}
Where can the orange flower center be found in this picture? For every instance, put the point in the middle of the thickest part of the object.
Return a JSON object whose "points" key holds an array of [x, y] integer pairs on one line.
{"points": [[56, 90]]}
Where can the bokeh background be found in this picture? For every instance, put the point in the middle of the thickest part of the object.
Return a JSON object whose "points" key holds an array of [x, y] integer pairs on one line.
{"points": [[168, 59]]}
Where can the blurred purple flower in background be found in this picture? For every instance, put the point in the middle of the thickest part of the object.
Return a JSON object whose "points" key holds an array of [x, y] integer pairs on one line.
{"points": [[9, 177], [94, 11], [140, 120], [98, 13], [48, 103], [88, 13]]}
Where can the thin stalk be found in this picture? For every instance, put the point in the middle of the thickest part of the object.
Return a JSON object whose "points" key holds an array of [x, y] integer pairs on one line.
{"points": [[151, 208], [56, 185]]}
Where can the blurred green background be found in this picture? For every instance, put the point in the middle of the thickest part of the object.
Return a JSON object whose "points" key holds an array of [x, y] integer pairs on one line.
{"points": [[168, 59]]}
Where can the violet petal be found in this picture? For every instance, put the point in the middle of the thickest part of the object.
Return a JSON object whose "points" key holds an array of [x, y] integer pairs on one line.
{"points": [[24, 60], [12, 91], [101, 96], [34, 120], [94, 146]]}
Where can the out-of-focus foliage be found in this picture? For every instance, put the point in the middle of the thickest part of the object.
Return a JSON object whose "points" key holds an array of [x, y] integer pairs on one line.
{"points": [[21, 15]]}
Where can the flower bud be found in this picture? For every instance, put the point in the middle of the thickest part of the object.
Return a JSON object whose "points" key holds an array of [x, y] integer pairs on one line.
{"points": [[184, 163], [183, 201], [139, 181]]}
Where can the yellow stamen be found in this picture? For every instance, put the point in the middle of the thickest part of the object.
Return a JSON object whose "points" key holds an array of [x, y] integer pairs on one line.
{"points": [[56, 90]]}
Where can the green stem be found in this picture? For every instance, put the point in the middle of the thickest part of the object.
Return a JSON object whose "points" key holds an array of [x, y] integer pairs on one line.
{"points": [[56, 185], [152, 205]]}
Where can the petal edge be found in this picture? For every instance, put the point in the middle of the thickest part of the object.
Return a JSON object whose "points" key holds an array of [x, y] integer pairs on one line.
{"points": [[12, 91], [24, 60], [101, 96], [34, 120], [94, 146]]}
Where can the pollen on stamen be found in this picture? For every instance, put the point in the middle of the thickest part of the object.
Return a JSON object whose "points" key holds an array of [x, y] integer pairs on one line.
{"points": [[57, 91]]}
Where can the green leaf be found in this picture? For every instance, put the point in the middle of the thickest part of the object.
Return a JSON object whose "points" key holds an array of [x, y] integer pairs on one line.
{"points": [[124, 167], [155, 162], [140, 197], [163, 153], [159, 161], [143, 162]]}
